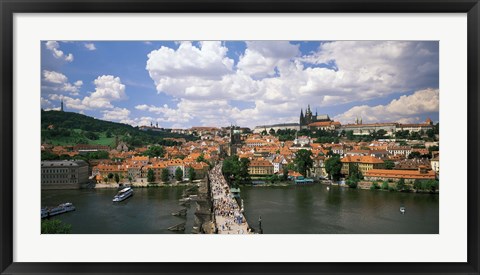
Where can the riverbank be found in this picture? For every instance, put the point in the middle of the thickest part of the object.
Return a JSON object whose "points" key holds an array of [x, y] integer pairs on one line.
{"points": [[145, 185]]}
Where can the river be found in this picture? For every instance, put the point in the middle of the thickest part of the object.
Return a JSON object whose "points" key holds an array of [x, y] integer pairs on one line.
{"points": [[309, 209]]}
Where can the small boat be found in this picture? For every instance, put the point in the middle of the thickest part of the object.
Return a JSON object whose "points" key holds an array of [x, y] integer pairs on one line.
{"points": [[187, 199], [402, 209], [123, 194], [60, 209], [44, 213], [182, 212], [178, 227]]}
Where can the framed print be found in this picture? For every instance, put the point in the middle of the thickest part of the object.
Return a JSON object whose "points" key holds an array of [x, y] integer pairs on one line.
{"points": [[239, 137]]}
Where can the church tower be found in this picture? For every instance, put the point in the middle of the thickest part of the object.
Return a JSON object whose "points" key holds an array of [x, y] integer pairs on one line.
{"points": [[302, 119]]}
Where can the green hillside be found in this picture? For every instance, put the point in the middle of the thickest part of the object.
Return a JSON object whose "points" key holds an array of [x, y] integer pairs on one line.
{"points": [[68, 128]]}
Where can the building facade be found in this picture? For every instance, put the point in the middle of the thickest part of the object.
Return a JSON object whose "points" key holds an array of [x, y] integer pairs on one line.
{"points": [[64, 172]]}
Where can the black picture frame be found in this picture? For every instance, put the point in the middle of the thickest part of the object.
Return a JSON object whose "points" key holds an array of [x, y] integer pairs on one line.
{"points": [[10, 7]]}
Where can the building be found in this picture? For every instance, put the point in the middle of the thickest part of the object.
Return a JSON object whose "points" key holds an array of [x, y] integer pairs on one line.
{"points": [[364, 163], [86, 148], [360, 129], [309, 118], [260, 167], [324, 125], [399, 150], [435, 164], [318, 170], [63, 174], [396, 175], [276, 127]]}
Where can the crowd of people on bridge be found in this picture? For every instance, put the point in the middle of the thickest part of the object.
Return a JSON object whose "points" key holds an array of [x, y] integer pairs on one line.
{"points": [[225, 206]]}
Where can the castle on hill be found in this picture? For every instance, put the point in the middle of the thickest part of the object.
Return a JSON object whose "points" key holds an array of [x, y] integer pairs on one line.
{"points": [[309, 118]]}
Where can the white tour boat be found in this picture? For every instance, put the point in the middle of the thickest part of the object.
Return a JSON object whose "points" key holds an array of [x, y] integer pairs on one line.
{"points": [[123, 194], [60, 209]]}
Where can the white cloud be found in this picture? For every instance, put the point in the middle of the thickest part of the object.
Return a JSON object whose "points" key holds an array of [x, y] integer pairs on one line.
{"points": [[276, 81], [262, 58], [175, 71], [107, 89], [116, 114], [57, 82], [405, 109], [90, 46], [54, 47]]}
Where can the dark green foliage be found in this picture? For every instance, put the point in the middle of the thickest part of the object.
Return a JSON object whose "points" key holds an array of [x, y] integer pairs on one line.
{"points": [[155, 151], [426, 185], [389, 164], [385, 185], [55, 226], [374, 186], [401, 185], [150, 175], [65, 122], [433, 148], [178, 174], [284, 135], [354, 173], [110, 175], [352, 183], [91, 135], [414, 155], [333, 166], [285, 174], [303, 161], [236, 170], [165, 175], [117, 178], [192, 174], [402, 134]]}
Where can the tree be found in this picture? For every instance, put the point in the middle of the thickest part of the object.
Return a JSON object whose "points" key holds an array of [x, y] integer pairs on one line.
{"points": [[433, 148], [271, 132], [333, 166], [385, 185], [303, 161], [354, 173], [417, 185], [150, 175], [155, 151], [55, 227], [350, 135], [285, 174], [130, 179], [201, 158], [165, 175], [401, 185], [414, 155], [110, 175], [105, 179], [191, 174], [231, 167], [243, 175], [389, 164], [178, 174], [381, 134], [117, 178]]}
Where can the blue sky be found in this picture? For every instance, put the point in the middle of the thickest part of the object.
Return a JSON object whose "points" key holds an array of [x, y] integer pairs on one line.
{"points": [[247, 83]]}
